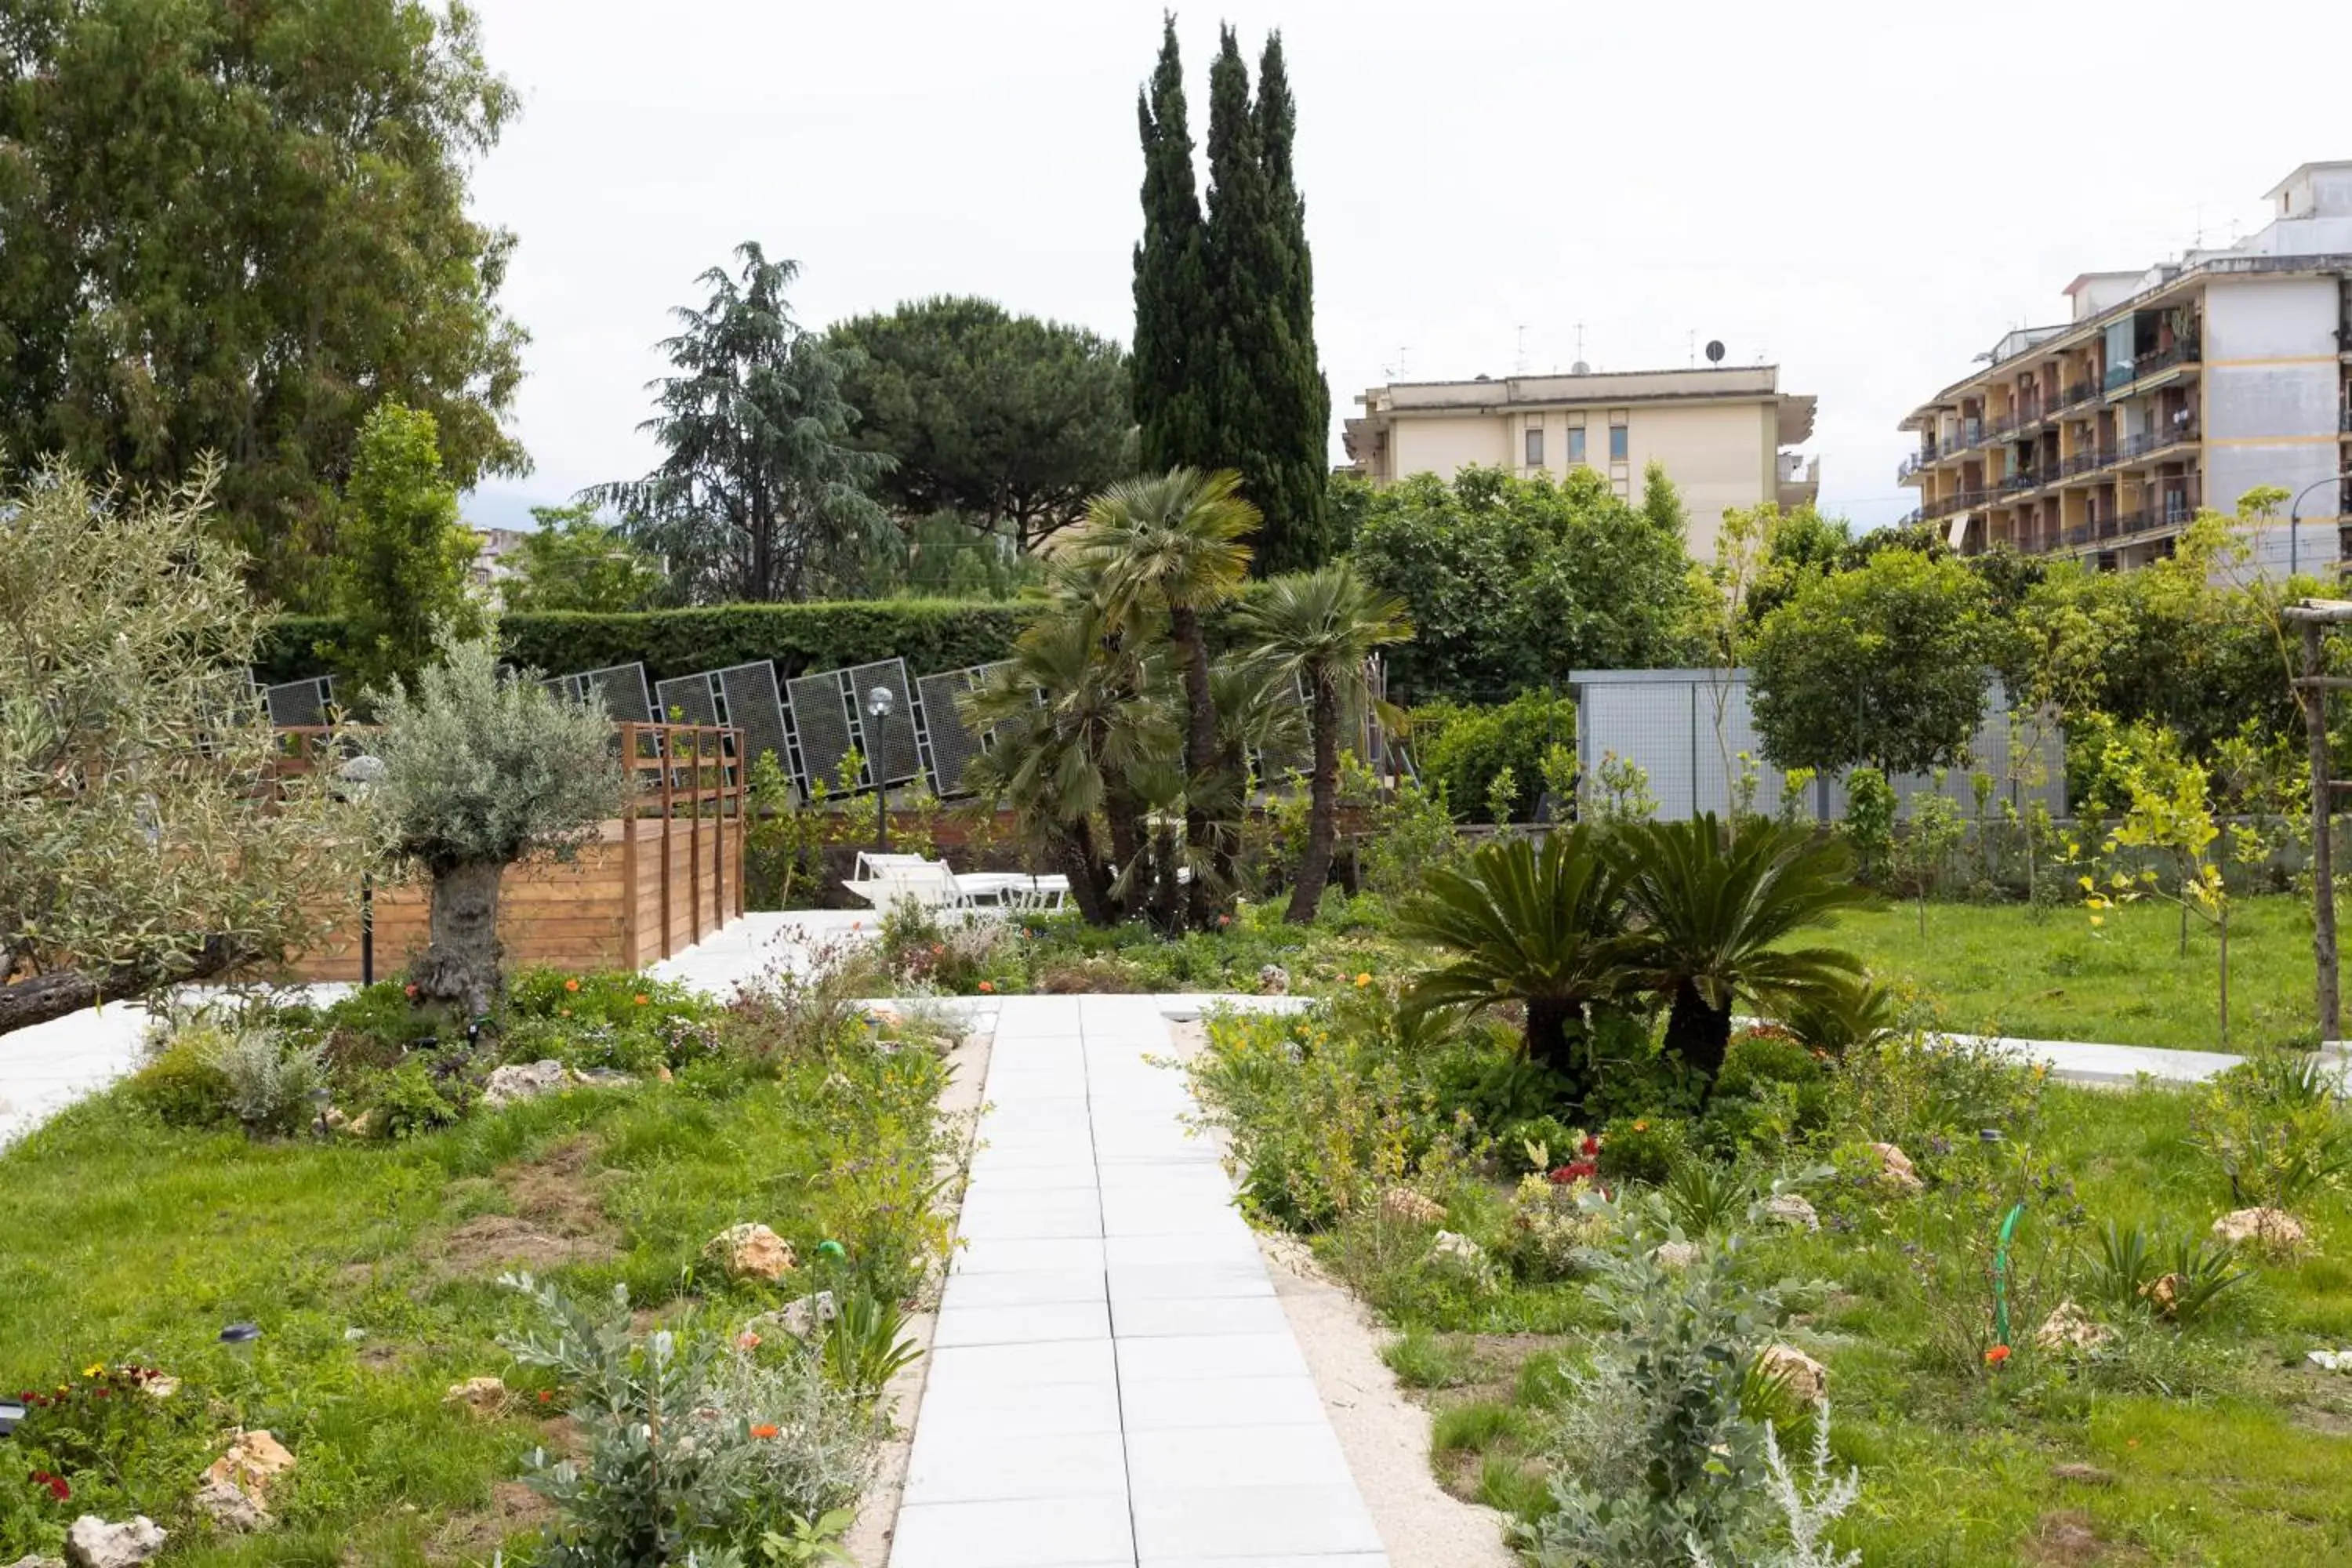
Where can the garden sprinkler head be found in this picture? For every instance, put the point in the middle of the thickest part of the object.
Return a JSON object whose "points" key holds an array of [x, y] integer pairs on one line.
{"points": [[322, 1099], [11, 1411], [1991, 1135], [239, 1336]]}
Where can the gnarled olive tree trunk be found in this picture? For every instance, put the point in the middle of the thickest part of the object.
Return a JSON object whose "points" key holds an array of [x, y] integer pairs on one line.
{"points": [[459, 966]]}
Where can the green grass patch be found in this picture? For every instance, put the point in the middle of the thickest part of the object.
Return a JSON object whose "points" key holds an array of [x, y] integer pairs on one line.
{"points": [[2050, 973]]}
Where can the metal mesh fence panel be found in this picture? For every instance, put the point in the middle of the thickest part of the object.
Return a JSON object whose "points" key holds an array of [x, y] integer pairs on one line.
{"points": [[755, 706], [894, 756], [821, 719], [1665, 723], [690, 696], [622, 686], [953, 743], [299, 701]]}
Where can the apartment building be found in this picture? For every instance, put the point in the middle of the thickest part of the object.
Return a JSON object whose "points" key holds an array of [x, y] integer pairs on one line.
{"points": [[2178, 386], [1722, 433]]}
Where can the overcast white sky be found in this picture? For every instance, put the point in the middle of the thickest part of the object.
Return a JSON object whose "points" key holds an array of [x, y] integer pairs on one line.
{"points": [[1867, 194]]}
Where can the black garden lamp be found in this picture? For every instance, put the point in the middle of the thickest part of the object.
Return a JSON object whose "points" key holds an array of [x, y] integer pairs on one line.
{"points": [[879, 703], [240, 1336]]}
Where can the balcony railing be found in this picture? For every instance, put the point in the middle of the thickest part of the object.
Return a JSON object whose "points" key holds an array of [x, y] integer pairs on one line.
{"points": [[1950, 504], [2188, 353], [2081, 392], [1914, 462]]}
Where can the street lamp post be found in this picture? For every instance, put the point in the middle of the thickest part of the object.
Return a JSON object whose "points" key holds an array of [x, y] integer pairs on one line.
{"points": [[2295, 517], [879, 703]]}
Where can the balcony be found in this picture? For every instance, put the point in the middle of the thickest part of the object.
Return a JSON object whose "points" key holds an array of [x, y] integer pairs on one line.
{"points": [[2155, 363], [1933, 509], [1925, 457], [2074, 396]]}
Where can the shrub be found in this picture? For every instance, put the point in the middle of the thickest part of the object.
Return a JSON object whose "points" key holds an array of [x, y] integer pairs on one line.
{"points": [[269, 1081], [411, 1099], [98, 1441], [1412, 835], [2178, 1282], [1463, 749], [685, 1438], [1642, 1148], [183, 1087], [1552, 1230], [1773, 1090], [1915, 1089], [929, 634], [1869, 824], [2276, 1131], [1656, 1460]]}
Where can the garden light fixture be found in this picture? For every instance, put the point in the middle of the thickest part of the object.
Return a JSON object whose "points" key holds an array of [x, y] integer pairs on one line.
{"points": [[237, 1336], [879, 703], [11, 1411]]}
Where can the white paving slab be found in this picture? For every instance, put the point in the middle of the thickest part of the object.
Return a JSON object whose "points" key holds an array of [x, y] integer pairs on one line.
{"points": [[1113, 1381]]}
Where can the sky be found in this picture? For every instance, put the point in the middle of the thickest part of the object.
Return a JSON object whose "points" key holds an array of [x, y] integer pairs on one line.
{"points": [[1867, 195]]}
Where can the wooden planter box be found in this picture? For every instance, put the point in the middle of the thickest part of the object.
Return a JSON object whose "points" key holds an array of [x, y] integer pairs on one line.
{"points": [[653, 882]]}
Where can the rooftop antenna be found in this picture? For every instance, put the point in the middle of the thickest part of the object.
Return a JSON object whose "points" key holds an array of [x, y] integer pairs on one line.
{"points": [[1519, 360], [1693, 347]]}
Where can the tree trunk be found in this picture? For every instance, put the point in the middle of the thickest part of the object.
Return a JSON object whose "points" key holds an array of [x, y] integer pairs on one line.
{"points": [[1322, 807], [460, 964], [1199, 751], [1698, 1034], [39, 998], [1124, 814], [1075, 851], [1551, 1039]]}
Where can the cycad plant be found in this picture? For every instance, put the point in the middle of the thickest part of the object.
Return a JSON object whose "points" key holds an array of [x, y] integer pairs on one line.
{"points": [[1713, 907], [1543, 927], [1320, 627], [1172, 545]]}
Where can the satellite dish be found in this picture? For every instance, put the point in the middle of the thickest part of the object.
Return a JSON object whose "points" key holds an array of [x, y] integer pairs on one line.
{"points": [[1715, 351], [1580, 368]]}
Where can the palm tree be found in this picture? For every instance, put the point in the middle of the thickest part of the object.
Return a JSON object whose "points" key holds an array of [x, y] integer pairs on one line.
{"points": [[1075, 718], [1320, 628], [1712, 908], [1545, 928], [1171, 544]]}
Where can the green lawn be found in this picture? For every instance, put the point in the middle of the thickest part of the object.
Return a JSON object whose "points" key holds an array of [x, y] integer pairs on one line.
{"points": [[2051, 974], [370, 1269]]}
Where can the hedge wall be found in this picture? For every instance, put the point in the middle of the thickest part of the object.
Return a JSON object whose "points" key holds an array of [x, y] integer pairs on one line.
{"points": [[931, 634]]}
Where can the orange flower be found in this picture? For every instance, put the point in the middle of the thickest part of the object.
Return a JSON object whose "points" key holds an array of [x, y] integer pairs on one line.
{"points": [[1364, 979], [1641, 1127], [644, 1000], [988, 988], [546, 1396], [763, 1430], [747, 1340], [1995, 1356], [2131, 1442], [573, 984], [409, 989]]}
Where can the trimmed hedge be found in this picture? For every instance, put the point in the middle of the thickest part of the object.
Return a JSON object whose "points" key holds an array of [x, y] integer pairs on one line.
{"points": [[931, 634]]}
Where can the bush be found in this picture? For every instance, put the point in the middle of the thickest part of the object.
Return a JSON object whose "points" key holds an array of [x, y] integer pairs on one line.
{"points": [[2275, 1130], [931, 634], [1773, 1089], [1644, 1148], [1463, 749], [183, 1087], [412, 1099], [686, 1436], [269, 1081]]}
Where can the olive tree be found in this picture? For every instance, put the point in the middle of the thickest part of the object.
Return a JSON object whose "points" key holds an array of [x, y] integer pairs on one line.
{"points": [[480, 770], [146, 839]]}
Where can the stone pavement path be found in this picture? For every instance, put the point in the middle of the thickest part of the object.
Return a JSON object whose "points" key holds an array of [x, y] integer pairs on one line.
{"points": [[1113, 1384]]}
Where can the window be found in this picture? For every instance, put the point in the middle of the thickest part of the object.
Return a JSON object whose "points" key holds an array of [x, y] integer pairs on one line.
{"points": [[1575, 443], [1535, 446], [1618, 436]]}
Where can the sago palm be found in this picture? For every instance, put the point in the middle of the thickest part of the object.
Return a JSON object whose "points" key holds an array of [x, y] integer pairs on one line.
{"points": [[1542, 927], [1712, 908], [1173, 545], [1320, 627]]}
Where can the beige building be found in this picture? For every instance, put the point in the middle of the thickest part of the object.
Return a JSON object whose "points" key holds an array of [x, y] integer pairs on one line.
{"points": [[2178, 386], [1721, 432]]}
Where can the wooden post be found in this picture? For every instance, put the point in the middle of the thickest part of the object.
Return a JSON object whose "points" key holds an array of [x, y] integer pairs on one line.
{"points": [[2322, 848], [742, 836], [694, 839], [632, 958], [667, 735]]}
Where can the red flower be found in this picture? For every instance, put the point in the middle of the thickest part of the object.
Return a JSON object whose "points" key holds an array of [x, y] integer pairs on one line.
{"points": [[1590, 1147], [988, 988], [57, 1485], [1575, 1171], [764, 1431], [1995, 1356]]}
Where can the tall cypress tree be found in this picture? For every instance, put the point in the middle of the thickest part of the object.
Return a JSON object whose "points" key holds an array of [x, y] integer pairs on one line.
{"points": [[1172, 308], [1226, 375], [1297, 395]]}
